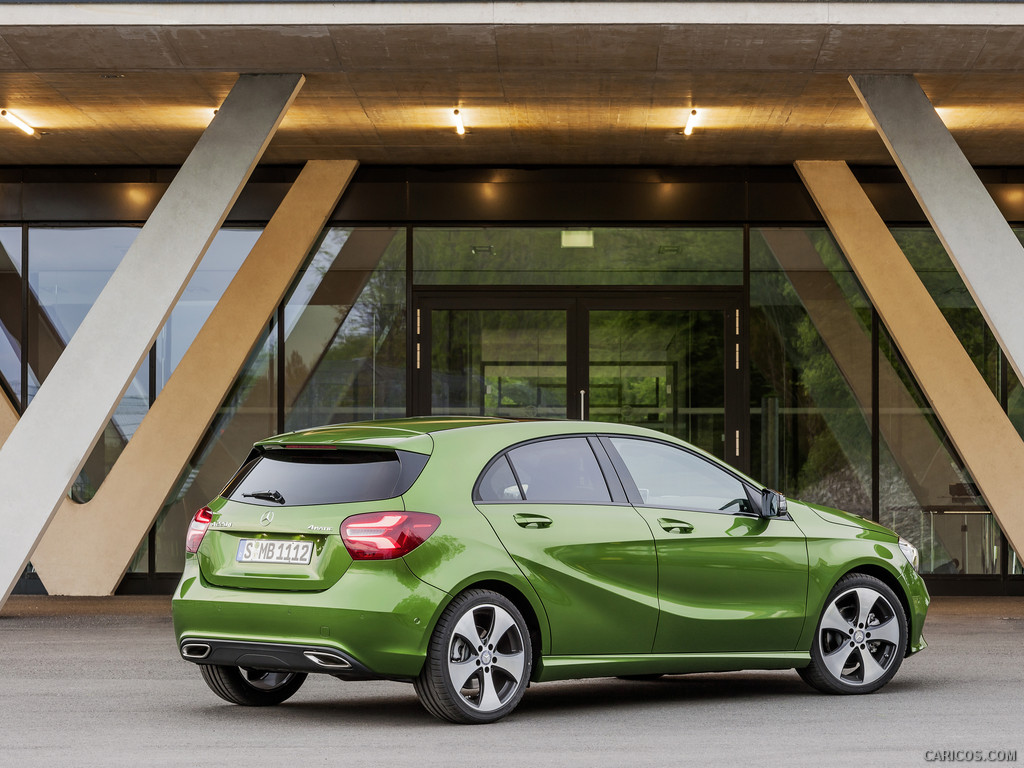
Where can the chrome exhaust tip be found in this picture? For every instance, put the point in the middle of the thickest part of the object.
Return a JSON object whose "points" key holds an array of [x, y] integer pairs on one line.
{"points": [[195, 650], [327, 660]]}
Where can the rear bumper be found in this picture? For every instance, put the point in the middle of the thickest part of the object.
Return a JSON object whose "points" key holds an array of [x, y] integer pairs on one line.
{"points": [[276, 657], [377, 618]]}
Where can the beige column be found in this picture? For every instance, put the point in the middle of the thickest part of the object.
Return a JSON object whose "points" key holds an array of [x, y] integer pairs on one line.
{"points": [[50, 443], [88, 547], [969, 412]]}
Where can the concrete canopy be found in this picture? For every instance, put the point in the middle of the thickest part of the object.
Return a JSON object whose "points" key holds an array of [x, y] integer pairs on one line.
{"points": [[566, 83]]}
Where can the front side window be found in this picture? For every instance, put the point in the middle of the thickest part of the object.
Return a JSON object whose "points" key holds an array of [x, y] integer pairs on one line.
{"points": [[667, 476], [562, 470]]}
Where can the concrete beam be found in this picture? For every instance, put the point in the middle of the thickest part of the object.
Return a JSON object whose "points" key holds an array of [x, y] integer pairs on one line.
{"points": [[969, 412], [45, 451], [88, 547], [460, 12], [983, 248]]}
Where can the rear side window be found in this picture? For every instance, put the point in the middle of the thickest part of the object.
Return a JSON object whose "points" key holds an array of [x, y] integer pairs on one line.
{"points": [[299, 477], [498, 483], [559, 470]]}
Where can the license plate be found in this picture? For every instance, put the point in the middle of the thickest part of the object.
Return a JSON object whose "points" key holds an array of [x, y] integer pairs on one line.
{"points": [[271, 551]]}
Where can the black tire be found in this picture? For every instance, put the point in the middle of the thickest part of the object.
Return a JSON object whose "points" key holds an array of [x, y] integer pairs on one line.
{"points": [[860, 639], [251, 687], [483, 641]]}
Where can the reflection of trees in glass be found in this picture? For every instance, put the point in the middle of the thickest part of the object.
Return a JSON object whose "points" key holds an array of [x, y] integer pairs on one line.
{"points": [[360, 373], [925, 253], [822, 431], [810, 437], [661, 369], [499, 362], [620, 256]]}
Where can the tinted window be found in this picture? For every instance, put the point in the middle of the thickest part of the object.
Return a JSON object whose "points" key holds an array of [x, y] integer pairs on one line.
{"points": [[559, 470], [330, 476], [667, 476], [498, 483]]}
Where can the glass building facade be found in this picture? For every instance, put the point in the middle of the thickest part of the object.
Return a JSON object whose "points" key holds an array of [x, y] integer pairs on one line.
{"points": [[748, 337]]}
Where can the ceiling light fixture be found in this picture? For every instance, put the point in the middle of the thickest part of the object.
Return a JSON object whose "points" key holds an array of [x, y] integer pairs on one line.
{"points": [[691, 122], [459, 127], [18, 122]]}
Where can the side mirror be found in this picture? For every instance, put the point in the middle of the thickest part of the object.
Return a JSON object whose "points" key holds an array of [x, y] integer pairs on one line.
{"points": [[773, 504]]}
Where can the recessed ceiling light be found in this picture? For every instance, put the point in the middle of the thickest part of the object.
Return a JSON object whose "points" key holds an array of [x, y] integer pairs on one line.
{"points": [[18, 122], [459, 127], [691, 122]]}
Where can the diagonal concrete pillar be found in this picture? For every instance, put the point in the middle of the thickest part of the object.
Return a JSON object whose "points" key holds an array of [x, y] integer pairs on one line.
{"points": [[88, 547], [44, 452], [984, 249], [969, 412]]}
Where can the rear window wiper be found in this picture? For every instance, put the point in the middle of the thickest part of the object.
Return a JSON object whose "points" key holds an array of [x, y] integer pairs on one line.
{"points": [[266, 495]]}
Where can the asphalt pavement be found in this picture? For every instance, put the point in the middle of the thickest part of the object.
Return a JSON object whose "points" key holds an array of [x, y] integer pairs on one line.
{"points": [[98, 682]]}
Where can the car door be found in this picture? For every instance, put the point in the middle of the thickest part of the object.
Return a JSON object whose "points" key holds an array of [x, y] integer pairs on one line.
{"points": [[582, 545], [729, 579]]}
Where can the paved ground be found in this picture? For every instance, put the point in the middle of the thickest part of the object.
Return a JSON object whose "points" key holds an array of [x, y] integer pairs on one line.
{"points": [[98, 682]]}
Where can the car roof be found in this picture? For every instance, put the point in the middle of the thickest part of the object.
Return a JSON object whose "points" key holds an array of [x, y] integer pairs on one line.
{"points": [[414, 433]]}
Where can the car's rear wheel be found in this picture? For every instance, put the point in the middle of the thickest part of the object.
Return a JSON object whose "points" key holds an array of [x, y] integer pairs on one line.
{"points": [[860, 639], [251, 687], [478, 661]]}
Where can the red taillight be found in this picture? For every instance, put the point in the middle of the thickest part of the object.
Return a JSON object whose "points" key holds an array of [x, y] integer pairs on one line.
{"points": [[386, 535], [197, 529]]}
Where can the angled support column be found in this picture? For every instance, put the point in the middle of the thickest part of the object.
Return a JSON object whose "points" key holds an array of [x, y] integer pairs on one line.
{"points": [[45, 451], [88, 547], [969, 412], [984, 249]]}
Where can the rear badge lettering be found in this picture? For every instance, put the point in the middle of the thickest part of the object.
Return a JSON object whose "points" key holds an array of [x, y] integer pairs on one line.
{"points": [[325, 528]]}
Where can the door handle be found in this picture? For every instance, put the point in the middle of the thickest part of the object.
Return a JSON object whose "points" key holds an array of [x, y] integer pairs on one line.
{"points": [[675, 526], [524, 520]]}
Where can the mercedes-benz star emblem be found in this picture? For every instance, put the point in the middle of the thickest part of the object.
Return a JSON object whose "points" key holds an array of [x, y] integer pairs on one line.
{"points": [[267, 517]]}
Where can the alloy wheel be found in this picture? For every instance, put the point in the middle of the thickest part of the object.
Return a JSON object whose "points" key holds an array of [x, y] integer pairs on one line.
{"points": [[859, 636], [486, 657]]}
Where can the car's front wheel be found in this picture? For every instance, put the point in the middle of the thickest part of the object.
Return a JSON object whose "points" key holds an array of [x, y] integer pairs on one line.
{"points": [[251, 687], [478, 661], [860, 639]]}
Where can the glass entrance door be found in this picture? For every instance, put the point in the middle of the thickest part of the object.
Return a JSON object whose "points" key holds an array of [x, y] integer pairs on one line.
{"points": [[662, 369], [666, 362], [498, 362]]}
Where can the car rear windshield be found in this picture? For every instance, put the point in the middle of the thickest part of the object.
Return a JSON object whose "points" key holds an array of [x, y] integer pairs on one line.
{"points": [[301, 476]]}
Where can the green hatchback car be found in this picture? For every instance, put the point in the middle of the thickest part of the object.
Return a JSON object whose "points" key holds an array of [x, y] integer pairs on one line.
{"points": [[472, 556]]}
